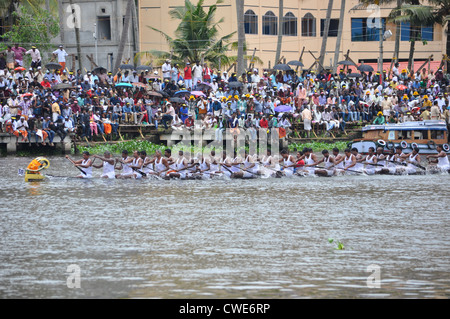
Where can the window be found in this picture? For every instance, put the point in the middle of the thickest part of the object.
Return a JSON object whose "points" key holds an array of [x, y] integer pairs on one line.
{"points": [[250, 22], [289, 24], [269, 24], [308, 25], [333, 29], [427, 32], [365, 29], [104, 28]]}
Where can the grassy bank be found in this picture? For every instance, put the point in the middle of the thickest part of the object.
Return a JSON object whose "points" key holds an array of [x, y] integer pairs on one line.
{"points": [[150, 147]]}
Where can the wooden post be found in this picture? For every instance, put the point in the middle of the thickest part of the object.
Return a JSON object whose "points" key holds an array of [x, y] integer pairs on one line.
{"points": [[425, 63], [300, 59]]}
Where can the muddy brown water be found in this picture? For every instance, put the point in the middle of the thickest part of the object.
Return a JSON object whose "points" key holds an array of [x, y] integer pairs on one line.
{"points": [[264, 238]]}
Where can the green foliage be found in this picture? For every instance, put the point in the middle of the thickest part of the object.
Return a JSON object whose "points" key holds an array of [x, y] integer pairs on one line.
{"points": [[137, 145], [196, 36], [35, 26], [317, 146], [339, 245]]}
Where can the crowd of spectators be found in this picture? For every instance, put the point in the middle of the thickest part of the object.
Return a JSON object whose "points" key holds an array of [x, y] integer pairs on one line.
{"points": [[38, 103]]}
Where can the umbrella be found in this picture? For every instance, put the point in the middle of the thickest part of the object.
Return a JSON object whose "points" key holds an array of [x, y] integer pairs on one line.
{"points": [[139, 84], [99, 69], [19, 68], [365, 68], [126, 67], [282, 67], [401, 87], [177, 100], [153, 93], [143, 68], [124, 85], [198, 93], [164, 94], [27, 94], [354, 75], [235, 84], [63, 86], [296, 63], [53, 66], [346, 62], [283, 108], [181, 93], [204, 85]]}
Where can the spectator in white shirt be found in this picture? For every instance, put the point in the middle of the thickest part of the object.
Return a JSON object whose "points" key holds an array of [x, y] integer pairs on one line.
{"points": [[35, 57], [61, 55]]}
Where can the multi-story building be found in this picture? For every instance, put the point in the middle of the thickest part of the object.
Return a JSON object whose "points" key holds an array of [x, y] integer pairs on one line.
{"points": [[303, 27]]}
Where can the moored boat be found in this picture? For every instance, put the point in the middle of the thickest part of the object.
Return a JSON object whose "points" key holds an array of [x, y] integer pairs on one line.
{"points": [[422, 134]]}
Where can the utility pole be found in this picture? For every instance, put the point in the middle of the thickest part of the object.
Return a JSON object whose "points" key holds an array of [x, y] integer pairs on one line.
{"points": [[96, 43]]}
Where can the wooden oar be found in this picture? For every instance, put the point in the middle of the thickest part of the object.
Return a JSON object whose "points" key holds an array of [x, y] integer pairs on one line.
{"points": [[373, 164], [139, 171], [418, 165], [398, 163], [76, 166]]}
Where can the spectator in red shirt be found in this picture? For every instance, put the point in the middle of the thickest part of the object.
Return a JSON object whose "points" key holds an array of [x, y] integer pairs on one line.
{"points": [[189, 122], [263, 123], [188, 76], [46, 83]]}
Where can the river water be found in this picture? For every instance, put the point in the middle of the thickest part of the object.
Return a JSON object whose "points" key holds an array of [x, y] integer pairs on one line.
{"points": [[265, 238]]}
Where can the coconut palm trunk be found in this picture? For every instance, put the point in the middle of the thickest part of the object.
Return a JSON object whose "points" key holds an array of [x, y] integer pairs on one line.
{"points": [[124, 36], [339, 36], [280, 30], [397, 35], [77, 39], [241, 36], [325, 34]]}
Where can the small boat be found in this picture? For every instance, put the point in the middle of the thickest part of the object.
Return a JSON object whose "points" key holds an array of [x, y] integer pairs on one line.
{"points": [[422, 134]]}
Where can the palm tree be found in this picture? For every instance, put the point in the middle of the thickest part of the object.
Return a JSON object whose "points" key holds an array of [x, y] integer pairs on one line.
{"points": [[418, 16], [442, 16], [325, 33], [365, 3], [196, 35]]}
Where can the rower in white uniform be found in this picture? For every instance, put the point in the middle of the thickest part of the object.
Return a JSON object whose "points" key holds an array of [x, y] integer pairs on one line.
{"points": [[107, 164], [440, 159], [84, 165], [338, 160], [213, 164], [288, 163], [146, 163], [250, 169], [370, 160], [225, 164], [125, 162], [381, 162], [181, 166], [413, 162], [269, 166], [328, 169], [310, 161], [359, 166], [349, 162]]}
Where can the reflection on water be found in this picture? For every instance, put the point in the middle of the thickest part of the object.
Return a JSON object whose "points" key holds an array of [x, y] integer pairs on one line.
{"points": [[263, 238]]}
